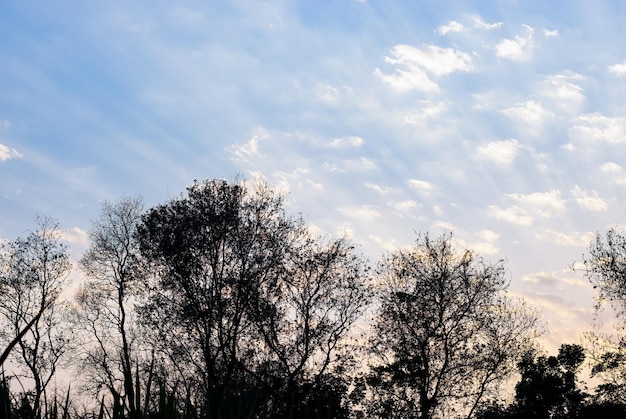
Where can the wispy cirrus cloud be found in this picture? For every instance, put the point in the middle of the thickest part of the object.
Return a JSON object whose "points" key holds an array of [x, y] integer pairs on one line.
{"points": [[364, 212], [481, 24], [351, 141]]}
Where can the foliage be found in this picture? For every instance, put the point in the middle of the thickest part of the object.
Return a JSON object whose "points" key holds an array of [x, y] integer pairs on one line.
{"points": [[605, 268], [217, 304], [445, 335], [259, 308], [549, 389]]}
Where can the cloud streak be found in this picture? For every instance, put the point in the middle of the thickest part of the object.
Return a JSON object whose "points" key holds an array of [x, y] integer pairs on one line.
{"points": [[415, 67]]}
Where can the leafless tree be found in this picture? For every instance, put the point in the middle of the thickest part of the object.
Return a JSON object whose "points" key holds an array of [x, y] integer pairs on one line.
{"points": [[106, 302], [33, 272]]}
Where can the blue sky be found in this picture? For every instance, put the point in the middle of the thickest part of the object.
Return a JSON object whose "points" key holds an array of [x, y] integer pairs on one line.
{"points": [[503, 121]]}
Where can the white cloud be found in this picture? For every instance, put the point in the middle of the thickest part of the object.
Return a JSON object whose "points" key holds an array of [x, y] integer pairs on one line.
{"points": [[362, 164], [615, 171], [427, 112], [420, 186], [364, 212], [502, 152], [7, 153], [518, 49], [514, 215], [486, 246], [75, 235], [285, 181], [611, 167], [451, 26], [388, 245], [562, 239], [486, 100], [548, 279], [588, 199], [444, 225], [250, 149], [618, 69], [564, 94], [383, 190], [482, 248], [597, 127], [480, 23], [488, 236], [327, 93], [414, 66], [531, 115], [405, 206], [315, 186], [404, 81], [345, 142], [544, 204], [550, 33]]}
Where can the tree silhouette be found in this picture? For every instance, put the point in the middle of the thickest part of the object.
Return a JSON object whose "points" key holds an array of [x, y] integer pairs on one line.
{"points": [[251, 310], [605, 268], [548, 387], [33, 271], [105, 311], [445, 335]]}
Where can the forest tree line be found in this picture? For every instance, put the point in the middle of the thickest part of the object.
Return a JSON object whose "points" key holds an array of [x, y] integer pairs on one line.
{"points": [[219, 304]]}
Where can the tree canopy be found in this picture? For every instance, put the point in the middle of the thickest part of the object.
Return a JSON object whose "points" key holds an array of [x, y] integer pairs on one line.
{"points": [[218, 303]]}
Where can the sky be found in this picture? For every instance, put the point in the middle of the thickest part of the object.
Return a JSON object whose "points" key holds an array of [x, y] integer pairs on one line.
{"points": [[502, 121]]}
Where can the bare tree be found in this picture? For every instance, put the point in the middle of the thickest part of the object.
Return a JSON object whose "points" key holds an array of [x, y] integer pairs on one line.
{"points": [[445, 334], [33, 272], [105, 301]]}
